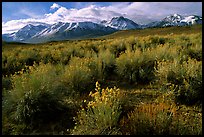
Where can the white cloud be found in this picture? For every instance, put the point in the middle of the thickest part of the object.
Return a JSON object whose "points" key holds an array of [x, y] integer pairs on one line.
{"points": [[14, 25], [140, 12], [54, 6]]}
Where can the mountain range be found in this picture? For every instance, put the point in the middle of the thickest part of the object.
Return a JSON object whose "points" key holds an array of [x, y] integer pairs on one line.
{"points": [[39, 33]]}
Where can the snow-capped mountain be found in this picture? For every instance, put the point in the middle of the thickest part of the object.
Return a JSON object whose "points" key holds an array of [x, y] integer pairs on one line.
{"points": [[61, 27], [24, 33], [121, 23], [41, 32], [75, 30], [176, 20], [58, 31]]}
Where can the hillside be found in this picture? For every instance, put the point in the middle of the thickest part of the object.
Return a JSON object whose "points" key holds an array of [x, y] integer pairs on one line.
{"points": [[155, 31]]}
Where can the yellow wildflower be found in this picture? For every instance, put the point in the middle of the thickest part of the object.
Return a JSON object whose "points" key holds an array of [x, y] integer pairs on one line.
{"points": [[111, 90], [90, 93], [97, 84]]}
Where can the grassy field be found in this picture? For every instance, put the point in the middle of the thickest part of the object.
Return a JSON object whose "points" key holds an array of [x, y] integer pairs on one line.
{"points": [[136, 82], [155, 31]]}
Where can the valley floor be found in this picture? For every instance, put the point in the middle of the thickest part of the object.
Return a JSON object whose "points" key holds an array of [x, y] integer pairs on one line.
{"points": [[121, 84]]}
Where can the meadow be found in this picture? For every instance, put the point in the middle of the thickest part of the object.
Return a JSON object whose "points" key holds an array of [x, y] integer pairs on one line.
{"points": [[137, 82]]}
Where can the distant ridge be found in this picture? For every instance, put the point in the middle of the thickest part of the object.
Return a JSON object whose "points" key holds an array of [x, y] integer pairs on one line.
{"points": [[81, 30]]}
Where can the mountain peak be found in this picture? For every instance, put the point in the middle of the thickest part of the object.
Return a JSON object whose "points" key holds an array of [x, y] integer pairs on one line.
{"points": [[121, 23], [176, 15], [119, 18], [28, 26], [173, 19], [31, 26]]}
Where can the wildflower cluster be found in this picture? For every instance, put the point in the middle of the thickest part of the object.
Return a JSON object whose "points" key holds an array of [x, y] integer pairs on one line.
{"points": [[104, 96], [101, 113]]}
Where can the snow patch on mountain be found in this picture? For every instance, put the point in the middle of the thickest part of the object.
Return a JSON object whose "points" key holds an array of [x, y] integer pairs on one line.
{"points": [[121, 23], [192, 19], [176, 20]]}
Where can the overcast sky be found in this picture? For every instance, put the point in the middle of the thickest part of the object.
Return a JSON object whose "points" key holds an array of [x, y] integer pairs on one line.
{"points": [[16, 15]]}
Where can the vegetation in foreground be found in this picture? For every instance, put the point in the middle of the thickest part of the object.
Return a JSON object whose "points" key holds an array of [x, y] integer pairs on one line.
{"points": [[136, 85]]}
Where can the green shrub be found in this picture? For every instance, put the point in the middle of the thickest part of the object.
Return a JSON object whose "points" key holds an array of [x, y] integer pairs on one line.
{"points": [[135, 67], [106, 64], [6, 83], [149, 119], [117, 47], [157, 40], [185, 41], [11, 66], [154, 41], [92, 47], [28, 57], [165, 52], [78, 76], [186, 79], [194, 52], [162, 118], [102, 113], [186, 122], [36, 98], [46, 56]]}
